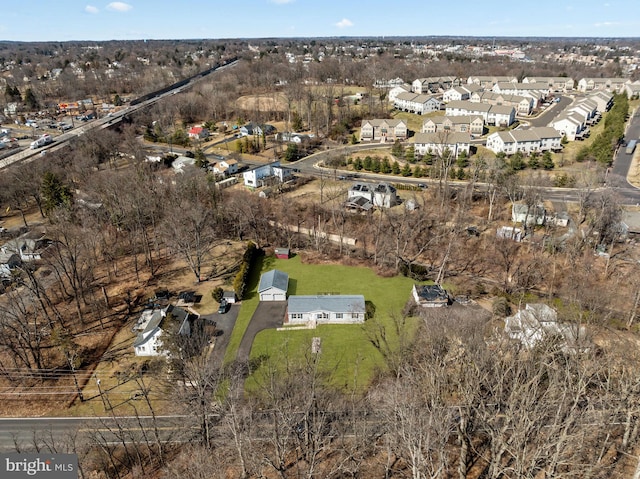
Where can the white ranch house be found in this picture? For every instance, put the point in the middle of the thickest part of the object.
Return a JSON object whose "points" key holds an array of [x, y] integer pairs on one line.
{"points": [[536, 322], [530, 215], [326, 309]]}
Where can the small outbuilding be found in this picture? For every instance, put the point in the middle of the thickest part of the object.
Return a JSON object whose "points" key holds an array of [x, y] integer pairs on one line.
{"points": [[282, 253], [273, 286], [229, 296], [430, 296]]}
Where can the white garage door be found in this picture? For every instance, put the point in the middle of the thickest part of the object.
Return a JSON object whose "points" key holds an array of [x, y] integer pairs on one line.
{"points": [[266, 297], [279, 297]]}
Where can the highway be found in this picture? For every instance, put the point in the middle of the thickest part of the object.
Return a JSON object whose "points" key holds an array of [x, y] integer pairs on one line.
{"points": [[101, 123]]}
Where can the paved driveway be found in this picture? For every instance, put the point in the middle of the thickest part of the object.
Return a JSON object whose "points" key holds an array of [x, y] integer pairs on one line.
{"points": [[224, 326], [268, 315]]}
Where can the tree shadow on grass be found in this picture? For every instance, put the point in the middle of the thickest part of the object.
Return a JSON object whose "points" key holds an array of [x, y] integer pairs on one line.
{"points": [[251, 288]]}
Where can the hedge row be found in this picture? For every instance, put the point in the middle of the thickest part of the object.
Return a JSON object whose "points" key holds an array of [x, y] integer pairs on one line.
{"points": [[240, 281]]}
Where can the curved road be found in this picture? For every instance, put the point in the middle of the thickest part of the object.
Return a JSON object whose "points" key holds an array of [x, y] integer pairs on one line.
{"points": [[616, 177]]}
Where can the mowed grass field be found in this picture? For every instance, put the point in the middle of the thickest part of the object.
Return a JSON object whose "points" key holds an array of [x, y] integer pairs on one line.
{"points": [[346, 350]]}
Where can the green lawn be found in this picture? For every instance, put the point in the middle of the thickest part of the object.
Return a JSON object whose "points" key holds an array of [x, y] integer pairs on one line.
{"points": [[415, 121], [346, 351]]}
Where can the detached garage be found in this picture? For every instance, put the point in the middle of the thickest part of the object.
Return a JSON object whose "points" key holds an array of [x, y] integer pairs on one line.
{"points": [[273, 286]]}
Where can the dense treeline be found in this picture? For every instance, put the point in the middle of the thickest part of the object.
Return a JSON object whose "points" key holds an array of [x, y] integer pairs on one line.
{"points": [[603, 146]]}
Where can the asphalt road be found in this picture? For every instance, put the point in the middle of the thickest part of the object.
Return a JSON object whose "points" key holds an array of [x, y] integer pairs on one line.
{"points": [[28, 433], [551, 112]]}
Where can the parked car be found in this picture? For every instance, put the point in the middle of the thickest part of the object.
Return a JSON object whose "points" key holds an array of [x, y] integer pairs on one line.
{"points": [[224, 307]]}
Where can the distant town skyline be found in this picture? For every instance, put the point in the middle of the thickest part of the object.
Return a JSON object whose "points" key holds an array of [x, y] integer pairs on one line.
{"points": [[67, 20]]}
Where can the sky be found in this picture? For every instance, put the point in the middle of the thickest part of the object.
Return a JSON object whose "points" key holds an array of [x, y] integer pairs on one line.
{"points": [[66, 20]]}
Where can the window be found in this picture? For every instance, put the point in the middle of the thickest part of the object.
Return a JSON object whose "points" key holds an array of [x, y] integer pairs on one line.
{"points": [[322, 316], [355, 315], [296, 315], [338, 315]]}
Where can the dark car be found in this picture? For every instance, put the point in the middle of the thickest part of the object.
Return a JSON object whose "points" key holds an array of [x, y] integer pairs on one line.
{"points": [[224, 307]]}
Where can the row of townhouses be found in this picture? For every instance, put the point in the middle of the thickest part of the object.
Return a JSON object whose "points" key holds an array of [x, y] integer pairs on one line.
{"points": [[473, 124], [439, 143], [499, 115], [433, 85], [524, 104], [525, 141], [574, 122], [383, 130], [416, 103]]}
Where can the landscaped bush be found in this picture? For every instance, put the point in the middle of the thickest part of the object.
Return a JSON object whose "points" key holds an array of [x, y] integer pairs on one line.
{"points": [[248, 258], [217, 293]]}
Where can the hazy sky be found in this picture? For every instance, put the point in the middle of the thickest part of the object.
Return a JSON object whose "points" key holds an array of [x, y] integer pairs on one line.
{"points": [[61, 20]]}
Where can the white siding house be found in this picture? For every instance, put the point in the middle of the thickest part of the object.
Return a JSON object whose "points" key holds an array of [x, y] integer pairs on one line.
{"points": [[382, 195], [570, 125], [537, 322], [151, 327], [263, 174], [326, 309], [396, 90]]}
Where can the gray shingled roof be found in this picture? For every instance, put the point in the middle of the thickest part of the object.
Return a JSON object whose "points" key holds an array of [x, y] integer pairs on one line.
{"points": [[274, 279], [450, 138], [329, 303]]}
